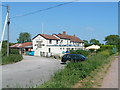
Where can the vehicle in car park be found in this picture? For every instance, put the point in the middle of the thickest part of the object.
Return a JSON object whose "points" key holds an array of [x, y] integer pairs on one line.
{"points": [[73, 57]]}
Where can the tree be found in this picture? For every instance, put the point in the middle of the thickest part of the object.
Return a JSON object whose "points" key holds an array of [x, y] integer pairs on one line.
{"points": [[4, 47], [24, 37], [112, 39], [94, 41], [4, 44], [86, 43]]}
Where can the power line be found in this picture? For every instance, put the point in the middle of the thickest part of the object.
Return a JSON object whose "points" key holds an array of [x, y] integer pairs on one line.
{"points": [[42, 10]]}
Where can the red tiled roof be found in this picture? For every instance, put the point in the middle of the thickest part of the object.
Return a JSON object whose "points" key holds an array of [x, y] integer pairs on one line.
{"points": [[72, 38], [47, 36], [20, 45], [62, 36]]}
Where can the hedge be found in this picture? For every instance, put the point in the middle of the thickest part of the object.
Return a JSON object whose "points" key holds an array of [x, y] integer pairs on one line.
{"points": [[83, 52], [14, 51], [12, 58]]}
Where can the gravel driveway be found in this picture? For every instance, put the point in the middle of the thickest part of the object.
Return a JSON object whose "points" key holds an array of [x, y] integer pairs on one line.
{"points": [[29, 72]]}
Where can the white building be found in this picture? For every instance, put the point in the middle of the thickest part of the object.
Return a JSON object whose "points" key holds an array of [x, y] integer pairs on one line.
{"points": [[55, 44]]}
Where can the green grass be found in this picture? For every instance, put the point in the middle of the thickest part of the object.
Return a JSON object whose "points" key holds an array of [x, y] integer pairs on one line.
{"points": [[94, 80], [75, 72]]}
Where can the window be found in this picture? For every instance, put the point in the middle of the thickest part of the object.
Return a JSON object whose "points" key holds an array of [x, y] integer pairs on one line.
{"points": [[50, 41], [61, 41], [60, 48], [49, 50], [36, 44], [56, 41]]}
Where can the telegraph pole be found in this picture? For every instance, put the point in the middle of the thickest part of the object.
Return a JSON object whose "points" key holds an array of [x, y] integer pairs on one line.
{"points": [[8, 24]]}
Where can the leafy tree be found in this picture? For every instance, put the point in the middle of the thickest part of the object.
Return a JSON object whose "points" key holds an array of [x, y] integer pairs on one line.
{"points": [[86, 43], [4, 47], [112, 39], [24, 37], [4, 44], [94, 41]]}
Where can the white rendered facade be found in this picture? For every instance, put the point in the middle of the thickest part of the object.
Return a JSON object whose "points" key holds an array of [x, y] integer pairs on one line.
{"points": [[43, 46]]}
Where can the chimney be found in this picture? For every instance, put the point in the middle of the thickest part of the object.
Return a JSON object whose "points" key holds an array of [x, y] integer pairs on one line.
{"points": [[64, 32], [74, 35]]}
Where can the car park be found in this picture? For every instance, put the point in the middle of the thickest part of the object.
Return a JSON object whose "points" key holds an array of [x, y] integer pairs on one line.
{"points": [[73, 57]]}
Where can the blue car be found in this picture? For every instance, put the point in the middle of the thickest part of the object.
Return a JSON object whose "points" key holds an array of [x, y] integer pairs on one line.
{"points": [[73, 57]]}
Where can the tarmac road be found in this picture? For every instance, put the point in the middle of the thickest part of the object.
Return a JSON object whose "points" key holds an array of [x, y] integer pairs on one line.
{"points": [[31, 71]]}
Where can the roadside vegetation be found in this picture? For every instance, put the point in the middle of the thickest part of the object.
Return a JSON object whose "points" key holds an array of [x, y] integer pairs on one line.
{"points": [[83, 52], [75, 72], [94, 80], [12, 58]]}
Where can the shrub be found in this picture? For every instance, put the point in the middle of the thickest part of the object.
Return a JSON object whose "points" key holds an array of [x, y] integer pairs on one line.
{"points": [[14, 51], [83, 52], [11, 58], [105, 53], [106, 47], [4, 51]]}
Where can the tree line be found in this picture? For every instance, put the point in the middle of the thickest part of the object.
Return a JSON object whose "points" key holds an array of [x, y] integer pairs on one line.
{"points": [[109, 40]]}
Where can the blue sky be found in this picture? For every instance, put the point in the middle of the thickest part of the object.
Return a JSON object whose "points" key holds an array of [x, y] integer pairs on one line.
{"points": [[87, 20]]}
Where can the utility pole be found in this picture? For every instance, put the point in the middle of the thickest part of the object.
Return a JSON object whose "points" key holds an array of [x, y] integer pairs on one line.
{"points": [[8, 24]]}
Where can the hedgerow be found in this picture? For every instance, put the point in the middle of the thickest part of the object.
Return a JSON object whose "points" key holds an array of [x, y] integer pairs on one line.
{"points": [[83, 52], [12, 58]]}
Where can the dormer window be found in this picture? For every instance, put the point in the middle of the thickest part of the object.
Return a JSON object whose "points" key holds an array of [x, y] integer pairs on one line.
{"points": [[50, 41]]}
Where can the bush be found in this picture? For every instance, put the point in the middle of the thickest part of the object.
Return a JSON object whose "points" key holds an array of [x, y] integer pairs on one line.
{"points": [[83, 52], [11, 59], [105, 53], [14, 51], [106, 47], [4, 51]]}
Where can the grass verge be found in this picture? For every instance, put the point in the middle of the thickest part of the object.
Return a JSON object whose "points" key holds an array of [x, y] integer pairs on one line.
{"points": [[75, 72], [94, 80]]}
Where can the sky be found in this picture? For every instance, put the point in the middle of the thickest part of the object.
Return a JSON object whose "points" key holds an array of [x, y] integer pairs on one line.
{"points": [[87, 20]]}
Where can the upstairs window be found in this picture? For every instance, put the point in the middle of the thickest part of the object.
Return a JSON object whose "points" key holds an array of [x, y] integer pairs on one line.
{"points": [[61, 41], [56, 41], [50, 41]]}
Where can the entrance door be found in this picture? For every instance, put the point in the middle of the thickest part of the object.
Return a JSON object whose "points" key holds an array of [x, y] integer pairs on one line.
{"points": [[49, 50]]}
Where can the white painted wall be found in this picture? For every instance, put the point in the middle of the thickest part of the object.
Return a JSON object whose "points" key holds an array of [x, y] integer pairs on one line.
{"points": [[54, 50]]}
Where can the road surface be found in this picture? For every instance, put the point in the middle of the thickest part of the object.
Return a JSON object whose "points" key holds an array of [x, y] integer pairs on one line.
{"points": [[31, 71], [111, 78]]}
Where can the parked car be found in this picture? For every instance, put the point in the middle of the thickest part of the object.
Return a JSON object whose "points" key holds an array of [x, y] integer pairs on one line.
{"points": [[73, 57]]}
